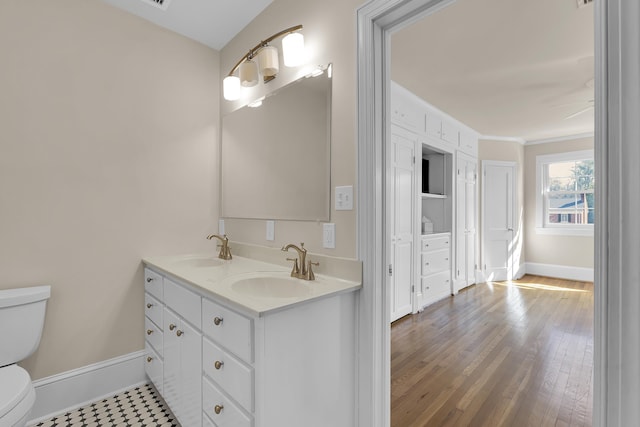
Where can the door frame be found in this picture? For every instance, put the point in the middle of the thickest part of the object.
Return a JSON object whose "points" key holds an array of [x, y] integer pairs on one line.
{"points": [[617, 106], [514, 207]]}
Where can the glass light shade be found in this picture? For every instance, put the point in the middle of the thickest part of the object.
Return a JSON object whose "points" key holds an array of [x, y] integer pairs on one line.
{"points": [[231, 88], [248, 73], [268, 59], [293, 49]]}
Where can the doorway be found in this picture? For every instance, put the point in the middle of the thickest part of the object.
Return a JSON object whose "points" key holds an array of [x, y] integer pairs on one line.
{"points": [[376, 20]]}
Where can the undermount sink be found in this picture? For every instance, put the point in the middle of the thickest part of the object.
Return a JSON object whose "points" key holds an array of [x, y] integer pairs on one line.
{"points": [[200, 262], [271, 287]]}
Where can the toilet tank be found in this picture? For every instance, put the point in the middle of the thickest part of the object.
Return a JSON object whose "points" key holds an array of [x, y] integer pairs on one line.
{"points": [[21, 320]]}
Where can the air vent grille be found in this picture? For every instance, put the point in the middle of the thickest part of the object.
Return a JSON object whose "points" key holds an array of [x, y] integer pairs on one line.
{"points": [[160, 4], [582, 3]]}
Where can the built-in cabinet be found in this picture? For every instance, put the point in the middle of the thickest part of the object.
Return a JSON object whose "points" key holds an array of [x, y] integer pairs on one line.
{"points": [[443, 208], [217, 366]]}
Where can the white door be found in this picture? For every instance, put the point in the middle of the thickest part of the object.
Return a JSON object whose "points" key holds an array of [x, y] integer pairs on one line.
{"points": [[402, 199], [466, 218], [498, 218]]}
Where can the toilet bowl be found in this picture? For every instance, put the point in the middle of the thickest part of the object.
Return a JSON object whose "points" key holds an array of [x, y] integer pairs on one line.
{"points": [[22, 316]]}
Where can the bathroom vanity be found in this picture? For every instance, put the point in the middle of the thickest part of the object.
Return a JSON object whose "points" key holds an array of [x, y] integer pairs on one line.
{"points": [[241, 343]]}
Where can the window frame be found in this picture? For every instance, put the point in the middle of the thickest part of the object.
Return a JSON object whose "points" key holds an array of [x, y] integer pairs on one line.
{"points": [[541, 171]]}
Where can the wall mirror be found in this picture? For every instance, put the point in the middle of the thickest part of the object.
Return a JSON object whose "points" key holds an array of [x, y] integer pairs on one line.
{"points": [[275, 158]]}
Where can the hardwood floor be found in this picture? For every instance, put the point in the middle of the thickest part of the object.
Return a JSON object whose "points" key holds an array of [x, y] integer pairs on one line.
{"points": [[497, 354]]}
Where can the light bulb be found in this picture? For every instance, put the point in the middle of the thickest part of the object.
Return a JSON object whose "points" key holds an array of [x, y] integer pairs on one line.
{"points": [[293, 49], [231, 88]]}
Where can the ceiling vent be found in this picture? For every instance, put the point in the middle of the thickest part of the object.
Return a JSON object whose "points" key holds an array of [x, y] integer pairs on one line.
{"points": [[164, 4], [583, 3]]}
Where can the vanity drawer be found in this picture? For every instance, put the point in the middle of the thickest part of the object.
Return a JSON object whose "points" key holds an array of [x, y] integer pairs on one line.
{"points": [[184, 302], [227, 328], [153, 309], [153, 283], [153, 366], [437, 285], [153, 335], [435, 243], [229, 373], [434, 262], [230, 415]]}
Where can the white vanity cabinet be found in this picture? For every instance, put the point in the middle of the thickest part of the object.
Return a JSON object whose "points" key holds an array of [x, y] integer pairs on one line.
{"points": [[287, 367]]}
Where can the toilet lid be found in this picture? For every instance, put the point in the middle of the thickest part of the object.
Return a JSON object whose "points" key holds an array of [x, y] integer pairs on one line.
{"points": [[15, 384]]}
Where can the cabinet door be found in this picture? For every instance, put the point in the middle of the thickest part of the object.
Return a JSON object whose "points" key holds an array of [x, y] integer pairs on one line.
{"points": [[403, 194], [171, 380], [190, 375], [434, 125], [449, 133]]}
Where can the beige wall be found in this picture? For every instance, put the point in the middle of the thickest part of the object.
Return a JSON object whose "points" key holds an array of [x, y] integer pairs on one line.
{"points": [[330, 36], [505, 151], [575, 251], [108, 142]]}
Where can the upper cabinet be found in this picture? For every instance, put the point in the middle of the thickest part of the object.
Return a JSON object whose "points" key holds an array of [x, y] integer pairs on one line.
{"points": [[436, 129]]}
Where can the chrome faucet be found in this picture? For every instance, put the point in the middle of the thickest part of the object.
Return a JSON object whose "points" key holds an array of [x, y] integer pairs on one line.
{"points": [[225, 251], [302, 269]]}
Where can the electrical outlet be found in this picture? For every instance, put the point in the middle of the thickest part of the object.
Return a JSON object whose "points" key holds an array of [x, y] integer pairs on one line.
{"points": [[329, 236], [221, 227], [344, 198], [271, 230]]}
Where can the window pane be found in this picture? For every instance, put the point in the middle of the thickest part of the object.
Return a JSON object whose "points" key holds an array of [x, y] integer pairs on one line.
{"points": [[561, 169], [583, 172], [562, 184]]}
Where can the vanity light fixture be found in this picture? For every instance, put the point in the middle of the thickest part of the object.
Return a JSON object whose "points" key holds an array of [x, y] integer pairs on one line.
{"points": [[267, 62]]}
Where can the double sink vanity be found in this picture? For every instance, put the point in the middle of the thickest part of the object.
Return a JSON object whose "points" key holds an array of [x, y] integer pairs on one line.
{"points": [[240, 342]]}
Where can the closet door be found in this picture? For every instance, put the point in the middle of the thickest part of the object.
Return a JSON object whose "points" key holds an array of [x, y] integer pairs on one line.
{"points": [[466, 218], [402, 193]]}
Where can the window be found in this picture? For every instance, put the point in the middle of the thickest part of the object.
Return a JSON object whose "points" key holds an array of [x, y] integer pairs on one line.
{"points": [[565, 198]]}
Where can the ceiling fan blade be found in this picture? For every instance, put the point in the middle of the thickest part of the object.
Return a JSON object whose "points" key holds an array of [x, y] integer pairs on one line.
{"points": [[577, 113]]}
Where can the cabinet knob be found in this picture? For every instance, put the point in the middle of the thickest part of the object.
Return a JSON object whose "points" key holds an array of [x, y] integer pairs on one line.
{"points": [[172, 327], [149, 279], [149, 331], [218, 408], [446, 259], [427, 245], [218, 364], [149, 305], [149, 359], [179, 333], [218, 320]]}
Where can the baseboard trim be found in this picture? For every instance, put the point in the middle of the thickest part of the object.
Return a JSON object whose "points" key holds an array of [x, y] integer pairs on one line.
{"points": [[560, 271], [72, 389]]}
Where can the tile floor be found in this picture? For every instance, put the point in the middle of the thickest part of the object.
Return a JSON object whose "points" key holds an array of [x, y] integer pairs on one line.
{"points": [[138, 407]]}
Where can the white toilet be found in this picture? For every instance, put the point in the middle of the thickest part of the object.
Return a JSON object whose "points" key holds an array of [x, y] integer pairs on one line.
{"points": [[21, 321]]}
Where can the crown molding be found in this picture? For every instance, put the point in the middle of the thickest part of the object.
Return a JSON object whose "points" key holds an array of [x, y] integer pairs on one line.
{"points": [[517, 139], [561, 138]]}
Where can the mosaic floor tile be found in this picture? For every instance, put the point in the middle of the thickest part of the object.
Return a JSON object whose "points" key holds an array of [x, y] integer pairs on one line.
{"points": [[139, 407]]}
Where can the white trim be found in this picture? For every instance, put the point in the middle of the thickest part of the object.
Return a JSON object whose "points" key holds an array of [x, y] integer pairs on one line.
{"points": [[560, 271], [517, 139], [561, 138], [557, 230], [72, 389]]}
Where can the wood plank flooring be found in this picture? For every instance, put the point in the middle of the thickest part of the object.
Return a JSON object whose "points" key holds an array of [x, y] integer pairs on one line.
{"points": [[497, 354]]}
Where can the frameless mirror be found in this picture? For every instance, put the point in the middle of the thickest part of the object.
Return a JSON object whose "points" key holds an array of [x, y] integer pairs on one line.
{"points": [[276, 157]]}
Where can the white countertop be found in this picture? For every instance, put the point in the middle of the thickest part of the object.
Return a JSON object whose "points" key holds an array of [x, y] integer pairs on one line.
{"points": [[223, 280]]}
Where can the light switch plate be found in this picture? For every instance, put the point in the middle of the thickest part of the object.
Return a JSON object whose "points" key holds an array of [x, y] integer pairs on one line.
{"points": [[329, 236], [344, 198], [271, 230], [221, 227]]}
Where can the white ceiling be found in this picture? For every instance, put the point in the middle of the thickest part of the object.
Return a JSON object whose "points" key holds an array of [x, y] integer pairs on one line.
{"points": [[508, 68], [211, 22]]}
